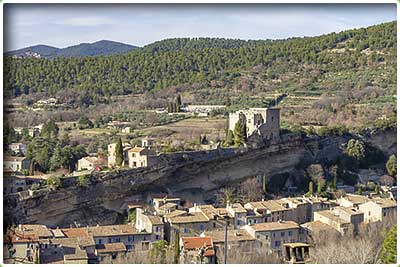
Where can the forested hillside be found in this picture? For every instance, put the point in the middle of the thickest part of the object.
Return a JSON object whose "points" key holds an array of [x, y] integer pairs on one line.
{"points": [[351, 67]]}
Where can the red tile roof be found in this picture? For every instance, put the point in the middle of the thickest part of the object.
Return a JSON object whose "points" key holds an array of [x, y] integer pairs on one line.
{"points": [[192, 243]]}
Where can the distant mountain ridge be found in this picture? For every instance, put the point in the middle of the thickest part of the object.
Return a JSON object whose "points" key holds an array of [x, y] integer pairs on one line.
{"points": [[103, 47]]}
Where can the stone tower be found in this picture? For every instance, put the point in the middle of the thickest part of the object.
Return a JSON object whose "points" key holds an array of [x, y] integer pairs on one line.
{"points": [[262, 121]]}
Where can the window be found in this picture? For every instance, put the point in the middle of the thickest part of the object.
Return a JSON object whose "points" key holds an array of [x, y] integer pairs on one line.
{"points": [[157, 229], [384, 214], [186, 230], [277, 243], [273, 234], [157, 237], [272, 118], [99, 241], [109, 240], [117, 239], [131, 238], [282, 234], [290, 233], [201, 227]]}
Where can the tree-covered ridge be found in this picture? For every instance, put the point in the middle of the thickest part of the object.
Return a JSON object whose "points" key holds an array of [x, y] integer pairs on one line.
{"points": [[175, 44], [201, 61]]}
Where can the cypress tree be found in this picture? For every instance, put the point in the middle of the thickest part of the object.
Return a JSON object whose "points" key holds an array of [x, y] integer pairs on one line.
{"points": [[389, 250], [265, 183], [119, 153], [240, 133], [176, 249], [311, 188], [229, 138]]}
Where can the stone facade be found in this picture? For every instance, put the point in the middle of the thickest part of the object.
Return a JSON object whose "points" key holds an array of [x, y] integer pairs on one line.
{"points": [[16, 164], [262, 121], [141, 157]]}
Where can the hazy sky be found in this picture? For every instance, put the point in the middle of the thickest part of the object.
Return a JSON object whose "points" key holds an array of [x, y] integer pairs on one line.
{"points": [[63, 25]]}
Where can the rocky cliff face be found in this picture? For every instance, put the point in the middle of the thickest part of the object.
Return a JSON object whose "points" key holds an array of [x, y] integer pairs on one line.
{"points": [[102, 201]]}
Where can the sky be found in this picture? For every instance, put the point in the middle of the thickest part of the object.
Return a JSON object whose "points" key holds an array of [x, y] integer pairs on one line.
{"points": [[63, 25]]}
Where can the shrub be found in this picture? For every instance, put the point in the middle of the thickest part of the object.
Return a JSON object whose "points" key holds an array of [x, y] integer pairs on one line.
{"points": [[54, 182], [82, 181]]}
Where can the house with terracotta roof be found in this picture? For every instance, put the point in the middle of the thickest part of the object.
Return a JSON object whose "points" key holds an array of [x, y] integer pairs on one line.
{"points": [[238, 240], [121, 233], [238, 212], [317, 229], [196, 250], [271, 211], [273, 235], [352, 200], [110, 251], [188, 224], [150, 223], [343, 219]]}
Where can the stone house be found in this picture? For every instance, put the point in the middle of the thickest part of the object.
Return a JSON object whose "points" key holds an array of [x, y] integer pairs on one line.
{"points": [[150, 223], [110, 251], [238, 239], [317, 229], [141, 157], [158, 202], [271, 210], [25, 242], [16, 164], [188, 224], [379, 209], [352, 200], [345, 220], [148, 142], [17, 148], [111, 160], [89, 163], [263, 121], [273, 235], [132, 238], [196, 250], [238, 212]]}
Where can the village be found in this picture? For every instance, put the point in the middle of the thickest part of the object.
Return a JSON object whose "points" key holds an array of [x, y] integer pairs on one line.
{"points": [[278, 230], [282, 228]]}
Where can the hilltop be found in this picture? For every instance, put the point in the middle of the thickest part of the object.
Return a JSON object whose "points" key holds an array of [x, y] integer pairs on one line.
{"points": [[103, 47], [347, 77]]}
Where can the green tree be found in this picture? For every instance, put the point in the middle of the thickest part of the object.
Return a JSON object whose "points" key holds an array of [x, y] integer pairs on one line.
{"points": [[54, 182], [334, 173], [265, 184], [84, 123], [356, 149], [158, 252], [176, 248], [119, 153], [389, 249], [229, 138], [49, 129], [82, 181], [391, 166], [239, 132], [311, 188]]}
